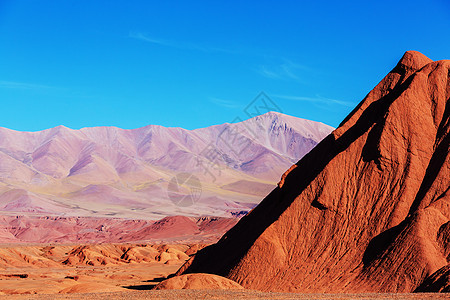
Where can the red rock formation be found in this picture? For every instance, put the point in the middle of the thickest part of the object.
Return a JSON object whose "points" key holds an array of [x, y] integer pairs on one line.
{"points": [[285, 174], [198, 282], [368, 209], [439, 281], [54, 229]]}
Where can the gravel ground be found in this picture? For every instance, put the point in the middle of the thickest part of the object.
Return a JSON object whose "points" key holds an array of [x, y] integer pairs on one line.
{"points": [[225, 294]]}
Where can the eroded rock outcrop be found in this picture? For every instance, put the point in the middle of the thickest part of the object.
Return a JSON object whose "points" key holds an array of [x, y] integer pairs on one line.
{"points": [[198, 282], [366, 210]]}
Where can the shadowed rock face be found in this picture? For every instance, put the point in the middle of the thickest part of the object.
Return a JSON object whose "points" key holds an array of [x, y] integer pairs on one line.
{"points": [[366, 210], [438, 282]]}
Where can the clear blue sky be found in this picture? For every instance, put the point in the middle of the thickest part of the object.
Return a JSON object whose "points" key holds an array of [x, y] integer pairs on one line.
{"points": [[197, 63]]}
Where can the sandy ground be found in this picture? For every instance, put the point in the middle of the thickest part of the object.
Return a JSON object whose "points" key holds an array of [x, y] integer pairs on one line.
{"points": [[87, 269], [223, 294], [81, 279]]}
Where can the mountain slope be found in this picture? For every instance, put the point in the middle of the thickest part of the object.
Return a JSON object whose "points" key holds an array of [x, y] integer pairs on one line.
{"points": [[45, 229], [108, 171], [366, 210]]}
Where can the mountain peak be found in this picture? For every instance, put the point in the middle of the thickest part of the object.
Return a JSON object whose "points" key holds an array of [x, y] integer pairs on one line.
{"points": [[272, 114], [414, 60], [275, 115]]}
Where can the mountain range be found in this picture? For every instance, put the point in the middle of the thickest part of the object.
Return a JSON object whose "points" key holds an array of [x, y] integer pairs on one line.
{"points": [[142, 173]]}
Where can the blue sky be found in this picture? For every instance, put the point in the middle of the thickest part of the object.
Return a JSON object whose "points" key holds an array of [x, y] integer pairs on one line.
{"points": [[197, 63]]}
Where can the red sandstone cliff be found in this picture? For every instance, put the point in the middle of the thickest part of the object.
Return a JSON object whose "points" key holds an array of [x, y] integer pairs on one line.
{"points": [[368, 209]]}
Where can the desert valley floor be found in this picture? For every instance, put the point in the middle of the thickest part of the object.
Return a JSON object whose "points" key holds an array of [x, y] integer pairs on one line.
{"points": [[121, 271], [87, 268]]}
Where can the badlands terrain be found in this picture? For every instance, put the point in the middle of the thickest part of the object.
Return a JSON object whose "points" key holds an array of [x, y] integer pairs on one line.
{"points": [[107, 184], [97, 268], [365, 214], [127, 271], [74, 203]]}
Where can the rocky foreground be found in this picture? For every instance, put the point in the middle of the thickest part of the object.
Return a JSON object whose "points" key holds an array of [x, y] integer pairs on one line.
{"points": [[124, 271], [226, 294], [67, 269]]}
